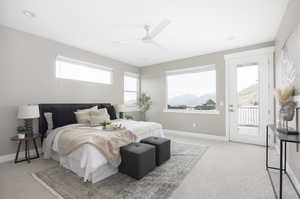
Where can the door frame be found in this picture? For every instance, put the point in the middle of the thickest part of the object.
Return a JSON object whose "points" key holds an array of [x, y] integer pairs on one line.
{"points": [[269, 52]]}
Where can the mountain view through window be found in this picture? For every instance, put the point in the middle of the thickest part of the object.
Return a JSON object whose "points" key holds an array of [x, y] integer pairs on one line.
{"points": [[194, 90]]}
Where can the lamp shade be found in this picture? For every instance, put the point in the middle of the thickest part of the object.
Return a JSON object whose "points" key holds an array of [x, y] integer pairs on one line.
{"points": [[121, 108], [28, 112]]}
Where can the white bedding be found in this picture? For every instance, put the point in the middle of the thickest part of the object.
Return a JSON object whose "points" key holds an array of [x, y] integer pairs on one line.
{"points": [[87, 161]]}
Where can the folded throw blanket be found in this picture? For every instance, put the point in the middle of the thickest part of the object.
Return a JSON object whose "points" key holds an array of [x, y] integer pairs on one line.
{"points": [[107, 142]]}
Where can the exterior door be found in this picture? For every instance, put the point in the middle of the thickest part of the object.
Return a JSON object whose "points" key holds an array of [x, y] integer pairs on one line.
{"points": [[248, 92]]}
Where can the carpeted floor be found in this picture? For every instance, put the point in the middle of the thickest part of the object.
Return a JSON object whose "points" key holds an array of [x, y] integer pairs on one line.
{"points": [[227, 170], [158, 184]]}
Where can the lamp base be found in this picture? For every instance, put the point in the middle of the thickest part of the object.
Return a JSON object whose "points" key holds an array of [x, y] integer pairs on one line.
{"points": [[121, 115], [28, 126]]}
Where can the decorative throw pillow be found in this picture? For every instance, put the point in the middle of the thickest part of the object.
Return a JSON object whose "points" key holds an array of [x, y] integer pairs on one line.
{"points": [[49, 120], [99, 116], [83, 116]]}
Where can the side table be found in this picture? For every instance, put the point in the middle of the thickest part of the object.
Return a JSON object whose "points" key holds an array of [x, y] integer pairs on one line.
{"points": [[27, 140]]}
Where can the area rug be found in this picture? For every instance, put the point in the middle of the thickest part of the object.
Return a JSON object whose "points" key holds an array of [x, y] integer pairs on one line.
{"points": [[158, 184]]}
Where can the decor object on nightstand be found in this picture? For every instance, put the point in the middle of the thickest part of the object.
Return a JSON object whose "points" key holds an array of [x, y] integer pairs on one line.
{"points": [[287, 108], [144, 103], [21, 132], [28, 113], [121, 108]]}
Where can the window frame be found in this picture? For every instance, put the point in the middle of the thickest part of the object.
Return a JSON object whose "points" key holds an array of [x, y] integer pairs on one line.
{"points": [[195, 69], [131, 108], [84, 64]]}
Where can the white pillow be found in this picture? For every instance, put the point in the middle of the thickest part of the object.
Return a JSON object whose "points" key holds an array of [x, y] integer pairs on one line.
{"points": [[83, 116], [99, 116], [49, 120]]}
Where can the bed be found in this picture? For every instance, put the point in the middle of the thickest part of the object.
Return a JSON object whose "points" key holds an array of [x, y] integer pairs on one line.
{"points": [[86, 161]]}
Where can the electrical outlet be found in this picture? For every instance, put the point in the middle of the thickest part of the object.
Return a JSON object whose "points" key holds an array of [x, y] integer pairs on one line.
{"points": [[194, 125]]}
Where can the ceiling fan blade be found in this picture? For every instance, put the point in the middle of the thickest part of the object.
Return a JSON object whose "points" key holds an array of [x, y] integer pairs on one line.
{"points": [[159, 28]]}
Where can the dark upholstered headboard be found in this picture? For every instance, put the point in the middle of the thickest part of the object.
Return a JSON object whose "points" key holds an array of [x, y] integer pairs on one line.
{"points": [[63, 114]]}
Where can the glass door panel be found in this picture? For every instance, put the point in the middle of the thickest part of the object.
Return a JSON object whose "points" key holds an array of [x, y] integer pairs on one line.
{"points": [[248, 99]]}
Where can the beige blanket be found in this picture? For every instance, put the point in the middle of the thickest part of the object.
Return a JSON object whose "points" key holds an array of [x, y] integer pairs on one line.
{"points": [[107, 142]]}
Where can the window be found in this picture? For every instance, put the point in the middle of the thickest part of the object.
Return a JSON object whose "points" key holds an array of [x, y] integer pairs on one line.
{"points": [[131, 82], [192, 89], [67, 68]]}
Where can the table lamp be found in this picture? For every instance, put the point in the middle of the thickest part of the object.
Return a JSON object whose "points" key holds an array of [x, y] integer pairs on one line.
{"points": [[28, 113], [121, 108]]}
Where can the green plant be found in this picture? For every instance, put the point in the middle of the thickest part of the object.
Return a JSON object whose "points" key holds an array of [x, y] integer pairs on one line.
{"points": [[105, 123], [144, 102]]}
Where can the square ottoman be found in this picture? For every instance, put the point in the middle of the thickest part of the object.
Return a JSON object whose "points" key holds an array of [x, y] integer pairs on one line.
{"points": [[162, 146], [138, 159]]}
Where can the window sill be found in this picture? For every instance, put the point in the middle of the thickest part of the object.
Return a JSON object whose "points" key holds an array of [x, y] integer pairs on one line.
{"points": [[212, 112]]}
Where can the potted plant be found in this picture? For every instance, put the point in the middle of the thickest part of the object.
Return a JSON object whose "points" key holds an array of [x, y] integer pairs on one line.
{"points": [[287, 105], [144, 103]]}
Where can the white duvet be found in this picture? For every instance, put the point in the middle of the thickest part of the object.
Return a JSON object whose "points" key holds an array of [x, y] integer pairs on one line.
{"points": [[87, 160]]}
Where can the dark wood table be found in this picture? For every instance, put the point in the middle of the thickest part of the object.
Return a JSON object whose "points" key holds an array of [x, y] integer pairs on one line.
{"points": [[283, 139], [27, 140]]}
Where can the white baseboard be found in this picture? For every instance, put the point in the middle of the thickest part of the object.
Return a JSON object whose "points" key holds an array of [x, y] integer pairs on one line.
{"points": [[11, 157], [290, 171], [196, 135]]}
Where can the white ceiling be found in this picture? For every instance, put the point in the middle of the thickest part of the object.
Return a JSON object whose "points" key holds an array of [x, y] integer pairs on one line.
{"points": [[197, 26]]}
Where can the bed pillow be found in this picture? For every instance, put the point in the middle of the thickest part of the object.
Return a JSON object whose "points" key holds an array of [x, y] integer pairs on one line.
{"points": [[83, 115], [99, 116], [49, 120]]}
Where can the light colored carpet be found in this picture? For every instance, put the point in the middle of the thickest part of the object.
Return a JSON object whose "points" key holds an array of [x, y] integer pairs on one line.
{"points": [[223, 172], [158, 184]]}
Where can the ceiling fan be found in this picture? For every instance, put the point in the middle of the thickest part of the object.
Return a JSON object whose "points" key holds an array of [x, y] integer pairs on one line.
{"points": [[151, 33]]}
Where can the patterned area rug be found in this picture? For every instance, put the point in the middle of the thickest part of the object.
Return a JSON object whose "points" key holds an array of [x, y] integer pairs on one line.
{"points": [[158, 184]]}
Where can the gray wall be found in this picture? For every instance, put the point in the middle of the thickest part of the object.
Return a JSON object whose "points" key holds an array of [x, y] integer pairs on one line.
{"points": [[153, 83], [289, 21], [27, 76]]}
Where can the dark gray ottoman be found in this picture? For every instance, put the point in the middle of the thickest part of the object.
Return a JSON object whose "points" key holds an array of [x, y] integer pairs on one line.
{"points": [[162, 146], [138, 159]]}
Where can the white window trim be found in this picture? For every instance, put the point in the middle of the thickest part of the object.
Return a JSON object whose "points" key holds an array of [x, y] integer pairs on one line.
{"points": [[132, 108], [136, 75], [203, 68], [75, 61], [87, 64], [192, 69], [212, 112]]}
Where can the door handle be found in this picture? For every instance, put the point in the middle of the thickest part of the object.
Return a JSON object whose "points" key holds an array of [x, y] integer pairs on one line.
{"points": [[231, 109]]}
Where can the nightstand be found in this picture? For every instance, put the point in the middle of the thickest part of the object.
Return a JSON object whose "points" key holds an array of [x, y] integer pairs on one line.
{"points": [[27, 140]]}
